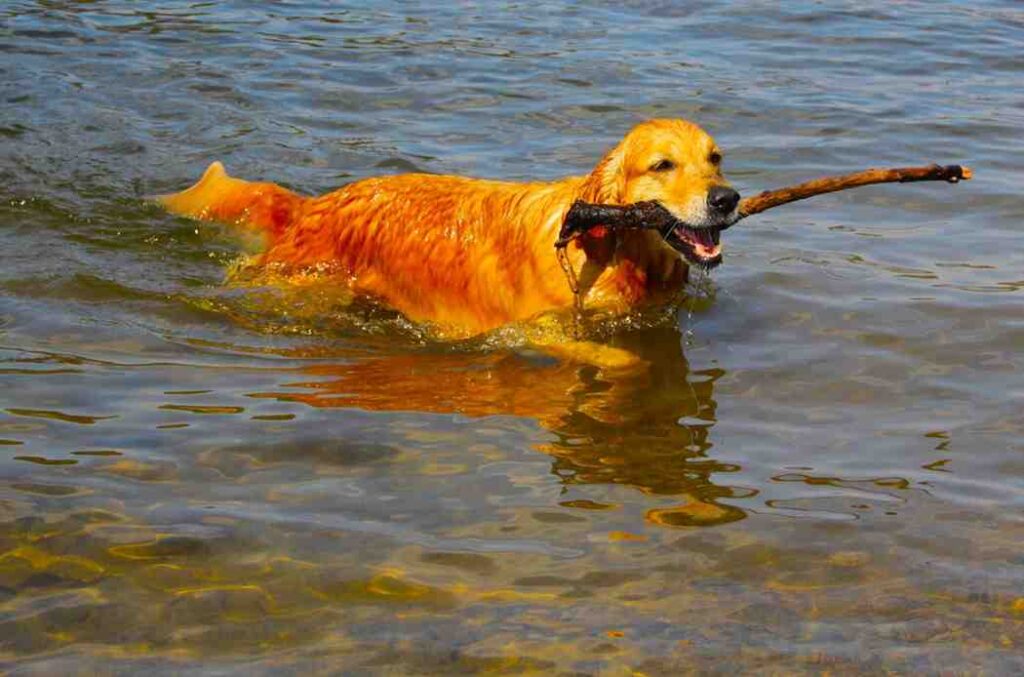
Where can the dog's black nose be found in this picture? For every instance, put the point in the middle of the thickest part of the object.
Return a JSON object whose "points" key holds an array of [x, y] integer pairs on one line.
{"points": [[723, 199]]}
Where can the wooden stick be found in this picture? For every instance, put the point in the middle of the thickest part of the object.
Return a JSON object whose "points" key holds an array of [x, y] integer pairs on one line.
{"points": [[583, 216], [829, 184]]}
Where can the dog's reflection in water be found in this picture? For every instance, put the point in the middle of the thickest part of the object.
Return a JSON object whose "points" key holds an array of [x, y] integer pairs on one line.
{"points": [[648, 429]]}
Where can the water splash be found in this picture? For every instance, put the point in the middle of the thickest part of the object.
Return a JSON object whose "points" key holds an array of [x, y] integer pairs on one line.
{"points": [[699, 291]]}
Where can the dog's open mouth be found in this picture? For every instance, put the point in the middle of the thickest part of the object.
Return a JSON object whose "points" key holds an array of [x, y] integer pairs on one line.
{"points": [[700, 246]]}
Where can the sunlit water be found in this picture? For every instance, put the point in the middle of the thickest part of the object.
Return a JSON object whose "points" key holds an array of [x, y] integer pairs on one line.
{"points": [[822, 469]]}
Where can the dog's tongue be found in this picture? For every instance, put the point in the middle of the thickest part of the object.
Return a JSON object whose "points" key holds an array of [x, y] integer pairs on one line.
{"points": [[703, 240]]}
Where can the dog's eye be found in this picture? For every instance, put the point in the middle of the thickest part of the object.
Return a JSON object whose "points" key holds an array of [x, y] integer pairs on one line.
{"points": [[715, 158], [663, 166]]}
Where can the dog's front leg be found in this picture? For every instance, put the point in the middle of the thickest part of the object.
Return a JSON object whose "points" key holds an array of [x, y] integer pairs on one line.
{"points": [[604, 357], [551, 334]]}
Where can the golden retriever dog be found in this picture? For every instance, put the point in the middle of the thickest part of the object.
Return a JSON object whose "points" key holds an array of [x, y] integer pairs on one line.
{"points": [[469, 255]]}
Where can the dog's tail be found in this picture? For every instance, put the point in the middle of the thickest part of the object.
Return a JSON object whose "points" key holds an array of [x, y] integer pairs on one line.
{"points": [[265, 207]]}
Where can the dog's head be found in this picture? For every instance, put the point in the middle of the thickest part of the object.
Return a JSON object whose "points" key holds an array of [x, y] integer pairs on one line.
{"points": [[677, 164]]}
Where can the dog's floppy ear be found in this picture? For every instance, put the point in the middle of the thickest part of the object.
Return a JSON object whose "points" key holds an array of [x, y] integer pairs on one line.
{"points": [[607, 183]]}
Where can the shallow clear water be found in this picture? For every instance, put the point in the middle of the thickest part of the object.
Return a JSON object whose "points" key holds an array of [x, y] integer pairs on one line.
{"points": [[821, 470]]}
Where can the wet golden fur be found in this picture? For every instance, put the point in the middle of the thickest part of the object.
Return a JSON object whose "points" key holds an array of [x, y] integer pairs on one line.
{"points": [[469, 255]]}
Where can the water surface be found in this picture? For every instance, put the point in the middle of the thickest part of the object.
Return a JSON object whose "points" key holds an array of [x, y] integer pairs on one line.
{"points": [[822, 469]]}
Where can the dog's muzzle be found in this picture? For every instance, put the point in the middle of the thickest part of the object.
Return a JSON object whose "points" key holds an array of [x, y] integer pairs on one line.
{"points": [[700, 245], [722, 200]]}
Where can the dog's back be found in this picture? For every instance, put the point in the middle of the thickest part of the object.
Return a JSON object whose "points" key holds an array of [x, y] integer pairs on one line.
{"points": [[465, 254]]}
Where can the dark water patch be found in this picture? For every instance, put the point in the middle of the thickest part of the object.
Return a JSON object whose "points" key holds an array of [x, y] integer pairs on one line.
{"points": [[40, 460], [203, 409], [58, 416], [273, 417], [45, 489]]}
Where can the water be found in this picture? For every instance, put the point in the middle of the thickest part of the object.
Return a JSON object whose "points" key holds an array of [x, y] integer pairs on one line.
{"points": [[822, 469]]}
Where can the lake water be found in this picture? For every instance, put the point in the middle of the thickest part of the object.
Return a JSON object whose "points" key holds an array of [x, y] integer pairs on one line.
{"points": [[822, 470]]}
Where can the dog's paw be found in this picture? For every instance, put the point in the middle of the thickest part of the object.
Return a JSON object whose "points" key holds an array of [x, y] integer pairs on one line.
{"points": [[608, 359]]}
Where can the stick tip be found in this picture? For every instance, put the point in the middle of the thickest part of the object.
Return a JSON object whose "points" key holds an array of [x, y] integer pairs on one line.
{"points": [[953, 173]]}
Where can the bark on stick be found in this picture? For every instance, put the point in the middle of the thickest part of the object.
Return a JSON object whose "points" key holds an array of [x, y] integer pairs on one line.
{"points": [[830, 184]]}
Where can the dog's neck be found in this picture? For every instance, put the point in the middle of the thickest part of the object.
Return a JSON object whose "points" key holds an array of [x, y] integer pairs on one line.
{"points": [[606, 183]]}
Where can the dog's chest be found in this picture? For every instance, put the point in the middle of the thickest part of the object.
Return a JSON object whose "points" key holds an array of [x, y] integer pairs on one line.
{"points": [[643, 270], [634, 283]]}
